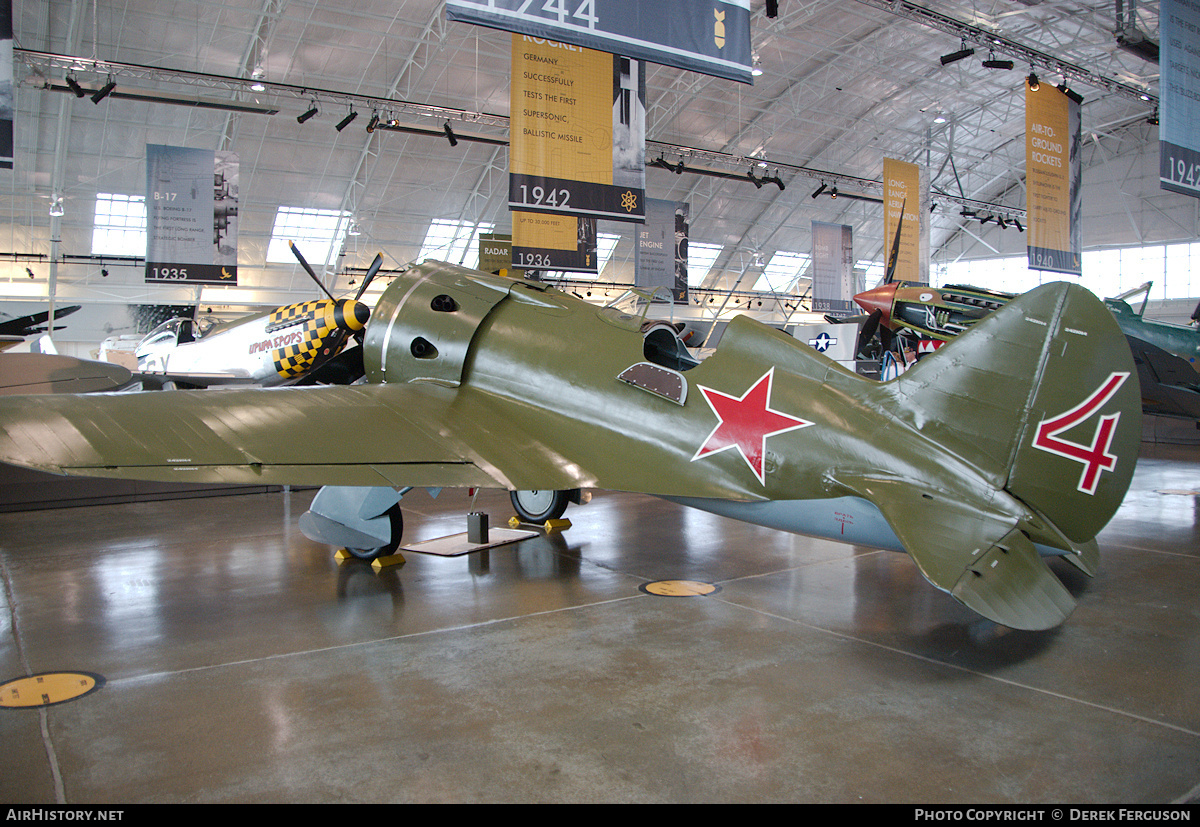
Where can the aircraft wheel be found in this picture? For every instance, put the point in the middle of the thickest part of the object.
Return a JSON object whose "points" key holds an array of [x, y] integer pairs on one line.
{"points": [[397, 521], [539, 506]]}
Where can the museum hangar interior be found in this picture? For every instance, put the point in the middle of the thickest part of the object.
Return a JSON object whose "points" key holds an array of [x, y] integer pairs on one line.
{"points": [[646, 651]]}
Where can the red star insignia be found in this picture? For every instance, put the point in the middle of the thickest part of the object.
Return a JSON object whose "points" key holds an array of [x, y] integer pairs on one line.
{"points": [[745, 422]]}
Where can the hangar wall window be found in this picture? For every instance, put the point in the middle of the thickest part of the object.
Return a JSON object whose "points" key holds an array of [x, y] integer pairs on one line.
{"points": [[318, 234], [119, 228], [1105, 272], [781, 272], [454, 241], [701, 258]]}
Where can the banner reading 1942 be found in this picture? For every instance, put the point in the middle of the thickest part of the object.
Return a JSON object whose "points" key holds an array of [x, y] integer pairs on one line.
{"points": [[577, 131], [1179, 135], [191, 215], [708, 36]]}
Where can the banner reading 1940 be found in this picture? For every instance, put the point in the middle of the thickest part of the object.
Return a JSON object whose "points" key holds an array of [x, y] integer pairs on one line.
{"points": [[191, 215], [578, 131], [1053, 198]]}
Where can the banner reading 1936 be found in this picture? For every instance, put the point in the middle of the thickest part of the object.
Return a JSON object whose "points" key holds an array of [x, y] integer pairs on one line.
{"points": [[577, 131], [708, 36], [553, 242], [1053, 198], [191, 215]]}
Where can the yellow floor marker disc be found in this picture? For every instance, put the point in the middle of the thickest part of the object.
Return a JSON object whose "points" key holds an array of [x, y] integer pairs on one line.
{"points": [[47, 689], [679, 588]]}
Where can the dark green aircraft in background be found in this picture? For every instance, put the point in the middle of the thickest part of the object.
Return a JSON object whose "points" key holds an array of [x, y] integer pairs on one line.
{"points": [[1015, 442], [1167, 355]]}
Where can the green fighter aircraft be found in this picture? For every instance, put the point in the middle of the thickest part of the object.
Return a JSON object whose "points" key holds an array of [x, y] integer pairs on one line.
{"points": [[1013, 443]]}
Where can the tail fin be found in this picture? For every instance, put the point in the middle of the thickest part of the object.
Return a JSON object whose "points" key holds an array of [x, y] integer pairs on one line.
{"points": [[1042, 396]]}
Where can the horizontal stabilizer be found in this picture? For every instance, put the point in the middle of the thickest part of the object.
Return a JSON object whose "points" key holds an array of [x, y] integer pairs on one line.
{"points": [[968, 546], [1011, 584]]}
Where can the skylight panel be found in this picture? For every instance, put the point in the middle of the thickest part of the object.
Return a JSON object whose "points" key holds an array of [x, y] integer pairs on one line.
{"points": [[456, 242], [119, 228], [781, 272], [318, 234]]}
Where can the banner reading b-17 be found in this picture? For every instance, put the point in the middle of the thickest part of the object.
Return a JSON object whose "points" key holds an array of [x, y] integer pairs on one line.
{"points": [[578, 131]]}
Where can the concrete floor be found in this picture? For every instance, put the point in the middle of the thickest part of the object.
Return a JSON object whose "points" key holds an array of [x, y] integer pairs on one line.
{"points": [[243, 664]]}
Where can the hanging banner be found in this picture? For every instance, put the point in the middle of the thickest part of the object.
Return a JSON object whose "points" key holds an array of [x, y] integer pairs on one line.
{"points": [[495, 253], [905, 234], [1179, 97], [191, 215], [6, 85], [577, 131], [553, 242], [1052, 180], [661, 259], [708, 37], [833, 283]]}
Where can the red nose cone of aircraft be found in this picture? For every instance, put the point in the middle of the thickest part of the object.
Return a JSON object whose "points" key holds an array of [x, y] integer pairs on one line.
{"points": [[881, 299]]}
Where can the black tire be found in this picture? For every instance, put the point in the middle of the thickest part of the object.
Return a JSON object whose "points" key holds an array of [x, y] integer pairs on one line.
{"points": [[397, 521], [539, 506]]}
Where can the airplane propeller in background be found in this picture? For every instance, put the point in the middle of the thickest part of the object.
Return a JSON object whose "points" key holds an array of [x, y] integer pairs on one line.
{"points": [[350, 316]]}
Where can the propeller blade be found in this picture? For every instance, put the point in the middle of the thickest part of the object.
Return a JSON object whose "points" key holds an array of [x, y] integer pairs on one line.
{"points": [[300, 258], [894, 258], [869, 328], [371, 271], [885, 337]]}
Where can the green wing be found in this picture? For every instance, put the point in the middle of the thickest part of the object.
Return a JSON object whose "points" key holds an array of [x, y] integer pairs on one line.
{"points": [[344, 435]]}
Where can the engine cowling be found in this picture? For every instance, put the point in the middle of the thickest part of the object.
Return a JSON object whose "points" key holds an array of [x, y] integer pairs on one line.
{"points": [[422, 326]]}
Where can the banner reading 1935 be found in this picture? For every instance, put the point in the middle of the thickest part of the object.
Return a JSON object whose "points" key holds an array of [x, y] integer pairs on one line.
{"points": [[191, 215], [577, 131], [707, 36]]}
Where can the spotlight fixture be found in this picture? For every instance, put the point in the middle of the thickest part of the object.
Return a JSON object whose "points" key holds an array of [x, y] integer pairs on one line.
{"points": [[1070, 93], [257, 76], [104, 91], [992, 63], [345, 122], [756, 65], [820, 190], [374, 122], [772, 8], [833, 193], [56, 206], [1017, 222], [75, 87], [354, 229], [450, 136], [1000, 220], [103, 273], [1033, 82], [30, 272], [1153, 119], [310, 113], [954, 57]]}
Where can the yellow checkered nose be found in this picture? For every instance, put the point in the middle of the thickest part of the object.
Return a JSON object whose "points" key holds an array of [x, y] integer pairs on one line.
{"points": [[351, 315]]}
